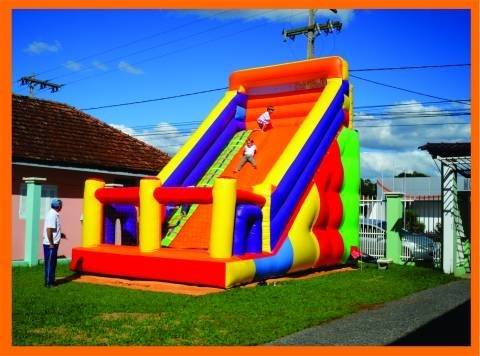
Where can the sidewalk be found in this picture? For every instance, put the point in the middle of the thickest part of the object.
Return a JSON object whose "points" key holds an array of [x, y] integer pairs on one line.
{"points": [[437, 316]]}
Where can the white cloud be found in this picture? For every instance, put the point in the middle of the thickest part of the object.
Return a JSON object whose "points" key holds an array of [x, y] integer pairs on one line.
{"points": [[128, 68], [279, 15], [390, 136], [73, 66], [390, 163], [163, 136], [38, 47], [99, 65], [391, 149]]}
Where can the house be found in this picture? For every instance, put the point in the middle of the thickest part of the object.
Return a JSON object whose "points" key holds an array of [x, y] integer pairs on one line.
{"points": [[66, 146], [422, 195]]}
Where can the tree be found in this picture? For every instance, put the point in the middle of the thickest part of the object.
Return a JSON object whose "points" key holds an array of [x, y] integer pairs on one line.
{"points": [[412, 223], [368, 188], [413, 174]]}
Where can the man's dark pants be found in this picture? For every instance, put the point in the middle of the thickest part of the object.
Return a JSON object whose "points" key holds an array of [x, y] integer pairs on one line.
{"points": [[50, 264]]}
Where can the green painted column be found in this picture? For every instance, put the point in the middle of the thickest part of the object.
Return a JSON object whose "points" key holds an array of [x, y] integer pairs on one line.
{"points": [[394, 213], [32, 219]]}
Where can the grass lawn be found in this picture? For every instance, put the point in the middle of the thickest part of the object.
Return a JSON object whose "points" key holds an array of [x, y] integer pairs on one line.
{"points": [[87, 314]]}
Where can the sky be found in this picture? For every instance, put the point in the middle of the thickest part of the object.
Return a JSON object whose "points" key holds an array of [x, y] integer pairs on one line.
{"points": [[108, 57]]}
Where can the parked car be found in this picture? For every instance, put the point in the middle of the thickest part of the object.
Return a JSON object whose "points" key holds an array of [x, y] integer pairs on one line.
{"points": [[415, 246], [418, 246], [372, 223]]}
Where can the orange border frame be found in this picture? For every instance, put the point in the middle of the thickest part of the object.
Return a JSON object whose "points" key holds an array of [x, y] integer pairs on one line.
{"points": [[6, 7]]}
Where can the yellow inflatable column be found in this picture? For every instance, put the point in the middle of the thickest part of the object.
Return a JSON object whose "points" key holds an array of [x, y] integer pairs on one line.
{"points": [[350, 112], [223, 217], [149, 221], [92, 214]]}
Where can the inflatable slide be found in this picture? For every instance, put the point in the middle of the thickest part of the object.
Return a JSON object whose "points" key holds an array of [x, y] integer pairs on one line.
{"points": [[201, 222]]}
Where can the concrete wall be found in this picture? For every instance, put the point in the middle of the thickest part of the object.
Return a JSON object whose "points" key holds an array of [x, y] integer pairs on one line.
{"points": [[70, 189]]}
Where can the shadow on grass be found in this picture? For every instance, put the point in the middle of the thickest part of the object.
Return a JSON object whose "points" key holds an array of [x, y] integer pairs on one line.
{"points": [[67, 279]]}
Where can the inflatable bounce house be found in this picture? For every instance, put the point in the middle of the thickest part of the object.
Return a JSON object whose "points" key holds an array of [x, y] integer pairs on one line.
{"points": [[198, 222]]}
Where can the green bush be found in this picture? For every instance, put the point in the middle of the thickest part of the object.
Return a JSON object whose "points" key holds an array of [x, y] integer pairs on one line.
{"points": [[411, 222]]}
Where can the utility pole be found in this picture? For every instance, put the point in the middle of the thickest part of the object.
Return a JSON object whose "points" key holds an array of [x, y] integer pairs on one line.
{"points": [[32, 82], [310, 34], [312, 30]]}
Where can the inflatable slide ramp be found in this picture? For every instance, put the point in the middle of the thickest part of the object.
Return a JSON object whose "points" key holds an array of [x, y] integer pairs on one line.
{"points": [[200, 222]]}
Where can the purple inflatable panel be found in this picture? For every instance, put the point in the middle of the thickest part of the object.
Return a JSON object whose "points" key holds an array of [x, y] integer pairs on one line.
{"points": [[127, 214], [206, 151], [247, 236]]}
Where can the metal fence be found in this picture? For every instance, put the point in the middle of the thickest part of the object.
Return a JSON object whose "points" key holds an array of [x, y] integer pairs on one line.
{"points": [[428, 210], [422, 246], [372, 227]]}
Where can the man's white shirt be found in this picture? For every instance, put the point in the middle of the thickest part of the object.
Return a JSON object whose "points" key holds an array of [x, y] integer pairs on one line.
{"points": [[52, 221]]}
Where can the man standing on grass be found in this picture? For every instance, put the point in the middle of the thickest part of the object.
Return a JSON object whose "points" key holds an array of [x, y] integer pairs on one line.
{"points": [[51, 240]]}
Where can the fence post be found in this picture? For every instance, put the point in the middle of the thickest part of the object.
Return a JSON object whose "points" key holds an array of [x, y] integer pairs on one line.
{"points": [[32, 219], [394, 214]]}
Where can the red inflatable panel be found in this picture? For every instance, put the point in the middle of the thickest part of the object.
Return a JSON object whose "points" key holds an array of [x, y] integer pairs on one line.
{"points": [[125, 261], [127, 195], [192, 195], [346, 120], [195, 195], [329, 180], [244, 196]]}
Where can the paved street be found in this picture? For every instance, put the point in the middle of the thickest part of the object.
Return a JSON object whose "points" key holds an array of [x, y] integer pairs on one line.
{"points": [[437, 316]]}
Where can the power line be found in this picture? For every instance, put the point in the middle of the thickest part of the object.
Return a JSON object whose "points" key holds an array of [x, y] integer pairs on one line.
{"points": [[405, 125], [178, 134], [152, 100], [403, 89], [416, 103], [407, 110], [394, 118], [358, 117], [176, 40], [411, 67], [128, 44], [226, 36], [185, 126], [173, 52], [415, 114], [462, 101], [183, 123]]}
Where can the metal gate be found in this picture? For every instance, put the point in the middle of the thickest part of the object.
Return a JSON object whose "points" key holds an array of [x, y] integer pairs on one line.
{"points": [[424, 246], [372, 227]]}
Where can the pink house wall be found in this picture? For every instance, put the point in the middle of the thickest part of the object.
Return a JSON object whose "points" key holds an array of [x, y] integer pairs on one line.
{"points": [[70, 190]]}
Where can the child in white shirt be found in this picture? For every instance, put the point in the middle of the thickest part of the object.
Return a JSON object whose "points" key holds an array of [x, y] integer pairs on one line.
{"points": [[263, 120], [248, 152]]}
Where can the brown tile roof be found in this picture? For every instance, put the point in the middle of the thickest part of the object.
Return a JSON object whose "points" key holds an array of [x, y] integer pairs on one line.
{"points": [[48, 132]]}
